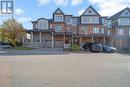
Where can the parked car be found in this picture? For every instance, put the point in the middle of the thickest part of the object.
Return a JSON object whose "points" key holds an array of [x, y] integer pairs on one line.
{"points": [[87, 46], [93, 47], [96, 48], [4, 45], [108, 48]]}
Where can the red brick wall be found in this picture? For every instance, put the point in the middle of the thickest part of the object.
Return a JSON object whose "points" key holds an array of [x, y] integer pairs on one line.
{"points": [[90, 28], [61, 24]]}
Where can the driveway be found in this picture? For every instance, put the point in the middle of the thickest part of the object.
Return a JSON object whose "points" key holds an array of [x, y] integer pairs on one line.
{"points": [[65, 70]]}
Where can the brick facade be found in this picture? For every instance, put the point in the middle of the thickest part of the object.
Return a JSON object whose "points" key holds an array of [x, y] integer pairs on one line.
{"points": [[88, 27]]}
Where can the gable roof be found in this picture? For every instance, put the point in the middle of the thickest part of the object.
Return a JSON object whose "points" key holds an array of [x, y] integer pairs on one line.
{"points": [[58, 9], [38, 20], [119, 13], [88, 9]]}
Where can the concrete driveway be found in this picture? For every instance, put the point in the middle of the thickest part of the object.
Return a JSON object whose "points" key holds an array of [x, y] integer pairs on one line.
{"points": [[65, 70]]}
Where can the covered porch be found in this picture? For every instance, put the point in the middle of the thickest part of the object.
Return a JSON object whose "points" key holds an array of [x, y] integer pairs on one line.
{"points": [[103, 39], [47, 39]]}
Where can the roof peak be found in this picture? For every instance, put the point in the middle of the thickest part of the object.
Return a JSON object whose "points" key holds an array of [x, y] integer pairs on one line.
{"points": [[90, 6], [59, 10]]}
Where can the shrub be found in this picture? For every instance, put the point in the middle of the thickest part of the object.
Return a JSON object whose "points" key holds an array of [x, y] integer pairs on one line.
{"points": [[74, 47]]}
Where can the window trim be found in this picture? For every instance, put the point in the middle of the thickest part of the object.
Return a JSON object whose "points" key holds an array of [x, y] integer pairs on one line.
{"points": [[120, 32], [129, 32], [95, 30], [108, 32], [102, 30], [84, 28], [58, 18], [58, 30]]}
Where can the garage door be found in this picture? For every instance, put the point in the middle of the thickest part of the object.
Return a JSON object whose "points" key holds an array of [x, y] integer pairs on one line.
{"points": [[48, 43], [58, 44]]}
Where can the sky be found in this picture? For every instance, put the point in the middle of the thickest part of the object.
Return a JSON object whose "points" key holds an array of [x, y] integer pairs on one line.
{"points": [[30, 10]]}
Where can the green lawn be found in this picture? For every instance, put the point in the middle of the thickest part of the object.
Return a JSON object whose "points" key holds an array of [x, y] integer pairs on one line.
{"points": [[22, 48]]}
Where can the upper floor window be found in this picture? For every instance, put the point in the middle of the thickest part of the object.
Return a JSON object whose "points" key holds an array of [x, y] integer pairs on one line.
{"points": [[102, 30], [45, 24], [50, 25], [90, 19], [40, 25], [95, 30], [58, 18], [68, 20], [108, 22], [89, 11], [84, 30], [129, 31], [58, 28], [35, 26], [124, 21], [108, 32], [74, 21], [120, 32]]}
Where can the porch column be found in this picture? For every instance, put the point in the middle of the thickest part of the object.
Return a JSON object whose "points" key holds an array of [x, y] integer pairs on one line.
{"points": [[31, 37], [64, 39], [120, 42], [92, 39], [104, 40], [80, 40], [112, 41], [40, 38], [52, 40], [72, 39]]}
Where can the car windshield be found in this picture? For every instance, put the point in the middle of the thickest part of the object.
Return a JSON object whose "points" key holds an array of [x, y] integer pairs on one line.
{"points": [[106, 45]]}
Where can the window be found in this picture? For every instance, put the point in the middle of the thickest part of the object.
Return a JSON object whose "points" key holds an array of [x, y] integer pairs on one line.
{"points": [[120, 32], [126, 13], [84, 30], [102, 31], [58, 18], [124, 21], [108, 22], [95, 30], [89, 11], [50, 25], [35, 26], [74, 21], [45, 25], [90, 19], [129, 31], [40, 25], [58, 28], [68, 20], [108, 32]]}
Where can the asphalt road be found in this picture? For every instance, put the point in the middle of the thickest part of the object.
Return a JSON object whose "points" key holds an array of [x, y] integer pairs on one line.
{"points": [[65, 70]]}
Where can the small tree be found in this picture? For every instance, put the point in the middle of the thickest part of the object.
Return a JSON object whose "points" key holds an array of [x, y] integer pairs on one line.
{"points": [[12, 32]]}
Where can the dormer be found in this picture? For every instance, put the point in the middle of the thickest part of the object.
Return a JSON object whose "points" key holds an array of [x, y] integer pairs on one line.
{"points": [[40, 23], [90, 16], [125, 13], [58, 15]]}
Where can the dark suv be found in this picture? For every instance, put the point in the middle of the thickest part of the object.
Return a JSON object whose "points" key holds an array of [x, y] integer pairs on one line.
{"points": [[93, 47]]}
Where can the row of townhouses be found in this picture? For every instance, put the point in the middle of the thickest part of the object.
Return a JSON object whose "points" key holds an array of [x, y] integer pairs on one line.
{"points": [[63, 30]]}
